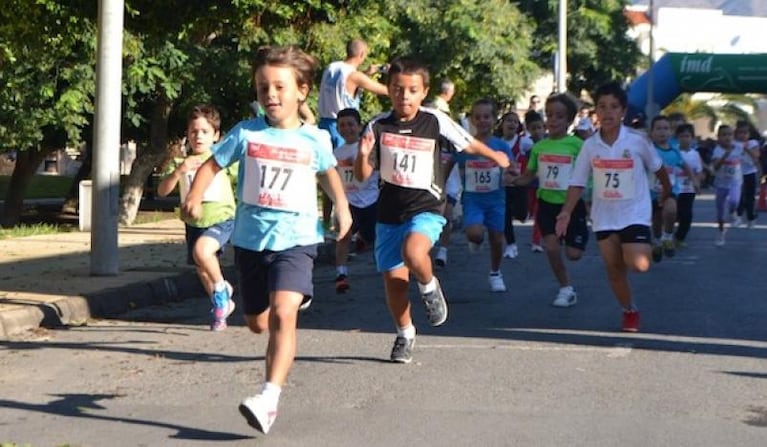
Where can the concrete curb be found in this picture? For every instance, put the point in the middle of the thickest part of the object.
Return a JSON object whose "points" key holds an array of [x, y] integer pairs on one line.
{"points": [[77, 310]]}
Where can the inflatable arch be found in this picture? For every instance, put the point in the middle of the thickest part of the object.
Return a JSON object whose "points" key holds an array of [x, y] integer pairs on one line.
{"points": [[677, 73]]}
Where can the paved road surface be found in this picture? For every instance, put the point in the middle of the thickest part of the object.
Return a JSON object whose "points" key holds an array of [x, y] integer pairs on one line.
{"points": [[506, 369]]}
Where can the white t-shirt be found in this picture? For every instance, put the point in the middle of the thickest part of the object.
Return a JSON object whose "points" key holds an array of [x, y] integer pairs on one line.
{"points": [[747, 163], [692, 159], [729, 173], [621, 193], [359, 194]]}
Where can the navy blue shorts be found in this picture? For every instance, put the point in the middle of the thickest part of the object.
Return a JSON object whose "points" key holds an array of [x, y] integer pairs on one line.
{"points": [[221, 232], [262, 273]]}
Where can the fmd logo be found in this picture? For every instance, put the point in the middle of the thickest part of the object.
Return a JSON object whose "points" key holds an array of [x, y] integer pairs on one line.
{"points": [[696, 64]]}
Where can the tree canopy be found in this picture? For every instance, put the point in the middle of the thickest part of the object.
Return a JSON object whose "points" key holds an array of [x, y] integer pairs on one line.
{"points": [[179, 53]]}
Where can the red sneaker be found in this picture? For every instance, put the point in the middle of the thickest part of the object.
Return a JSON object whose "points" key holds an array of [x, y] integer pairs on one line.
{"points": [[342, 285], [630, 321]]}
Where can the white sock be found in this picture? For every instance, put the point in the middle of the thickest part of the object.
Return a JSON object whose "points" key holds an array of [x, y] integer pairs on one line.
{"points": [[442, 250], [342, 270], [407, 332], [567, 289], [271, 392], [428, 287], [495, 273], [219, 286]]}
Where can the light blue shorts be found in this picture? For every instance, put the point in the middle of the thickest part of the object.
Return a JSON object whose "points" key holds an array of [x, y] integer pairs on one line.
{"points": [[486, 213], [389, 238]]}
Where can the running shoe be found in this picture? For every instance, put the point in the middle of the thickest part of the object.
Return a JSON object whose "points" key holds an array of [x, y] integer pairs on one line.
{"points": [[719, 241], [474, 247], [342, 284], [511, 251], [441, 259], [751, 223], [496, 282], [306, 303], [565, 298], [737, 222], [402, 352], [669, 249], [536, 248], [630, 321], [258, 412], [657, 253], [436, 306], [223, 306]]}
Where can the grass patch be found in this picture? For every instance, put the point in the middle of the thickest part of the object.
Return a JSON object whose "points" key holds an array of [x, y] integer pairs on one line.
{"points": [[24, 230], [40, 186]]}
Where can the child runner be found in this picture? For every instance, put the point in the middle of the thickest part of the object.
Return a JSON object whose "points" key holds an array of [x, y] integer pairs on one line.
{"points": [[551, 160], [207, 234], [277, 228], [750, 169], [483, 200], [664, 213], [726, 160], [516, 196], [537, 131], [362, 196], [619, 159], [688, 187], [404, 145]]}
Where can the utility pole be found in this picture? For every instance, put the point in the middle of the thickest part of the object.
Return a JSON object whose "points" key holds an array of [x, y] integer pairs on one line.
{"points": [[106, 139], [562, 48], [650, 107]]}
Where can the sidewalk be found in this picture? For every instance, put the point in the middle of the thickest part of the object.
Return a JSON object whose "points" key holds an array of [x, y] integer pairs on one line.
{"points": [[45, 280]]}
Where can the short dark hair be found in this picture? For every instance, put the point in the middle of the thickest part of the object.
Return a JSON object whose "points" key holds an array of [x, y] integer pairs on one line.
{"points": [[612, 88], [207, 111], [355, 47], [567, 101], [303, 65], [658, 118], [531, 116], [409, 65], [486, 102], [686, 127], [354, 113]]}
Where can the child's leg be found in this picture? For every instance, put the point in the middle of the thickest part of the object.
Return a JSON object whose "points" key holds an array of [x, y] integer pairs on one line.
{"points": [[719, 200], [475, 233], [733, 198], [684, 215], [281, 351], [619, 258], [396, 287], [415, 253], [554, 255], [669, 216], [509, 217], [206, 258], [497, 243]]}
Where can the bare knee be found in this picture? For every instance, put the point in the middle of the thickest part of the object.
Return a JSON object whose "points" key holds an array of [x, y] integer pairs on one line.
{"points": [[258, 324]]}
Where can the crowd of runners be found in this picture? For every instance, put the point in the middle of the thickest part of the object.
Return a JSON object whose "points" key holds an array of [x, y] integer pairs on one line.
{"points": [[396, 182]]}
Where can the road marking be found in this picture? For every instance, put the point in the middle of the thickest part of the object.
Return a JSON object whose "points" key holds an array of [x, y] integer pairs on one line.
{"points": [[622, 350]]}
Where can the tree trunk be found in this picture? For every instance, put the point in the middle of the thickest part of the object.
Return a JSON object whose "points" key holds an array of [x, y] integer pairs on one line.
{"points": [[145, 162], [26, 165]]}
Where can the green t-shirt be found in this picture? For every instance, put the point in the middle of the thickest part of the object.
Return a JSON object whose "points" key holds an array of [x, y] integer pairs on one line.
{"points": [[553, 160], [218, 202]]}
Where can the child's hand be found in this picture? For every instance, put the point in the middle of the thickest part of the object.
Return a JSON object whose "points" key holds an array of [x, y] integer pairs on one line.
{"points": [[502, 160], [344, 219], [192, 208], [191, 164], [563, 220], [366, 144]]}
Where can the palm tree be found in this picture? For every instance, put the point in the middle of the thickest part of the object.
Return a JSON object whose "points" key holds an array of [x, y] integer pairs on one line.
{"points": [[721, 108]]}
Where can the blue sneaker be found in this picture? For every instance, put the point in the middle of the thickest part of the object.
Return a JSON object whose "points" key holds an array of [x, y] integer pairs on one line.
{"points": [[223, 306]]}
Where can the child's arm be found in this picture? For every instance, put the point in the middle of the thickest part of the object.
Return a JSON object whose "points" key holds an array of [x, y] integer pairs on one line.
{"points": [[477, 147], [167, 184], [331, 183], [192, 207], [363, 166], [574, 193], [524, 179], [691, 175], [662, 176]]}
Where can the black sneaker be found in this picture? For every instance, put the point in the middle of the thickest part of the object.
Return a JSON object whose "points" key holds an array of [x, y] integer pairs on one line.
{"points": [[342, 284], [657, 253], [402, 352], [436, 306], [669, 248]]}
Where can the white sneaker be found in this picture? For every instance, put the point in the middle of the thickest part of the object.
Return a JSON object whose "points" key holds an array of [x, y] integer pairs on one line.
{"points": [[536, 248], [511, 251], [565, 298], [737, 222], [441, 258], [259, 414], [719, 241], [474, 248], [496, 283], [751, 223]]}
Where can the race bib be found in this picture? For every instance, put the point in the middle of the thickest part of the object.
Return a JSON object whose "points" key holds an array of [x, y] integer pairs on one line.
{"points": [[279, 178], [407, 161], [657, 186], [729, 169], [613, 179], [482, 176], [346, 171], [554, 171], [685, 183], [216, 191]]}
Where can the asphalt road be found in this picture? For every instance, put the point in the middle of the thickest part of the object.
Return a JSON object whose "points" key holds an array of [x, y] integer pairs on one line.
{"points": [[505, 370]]}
